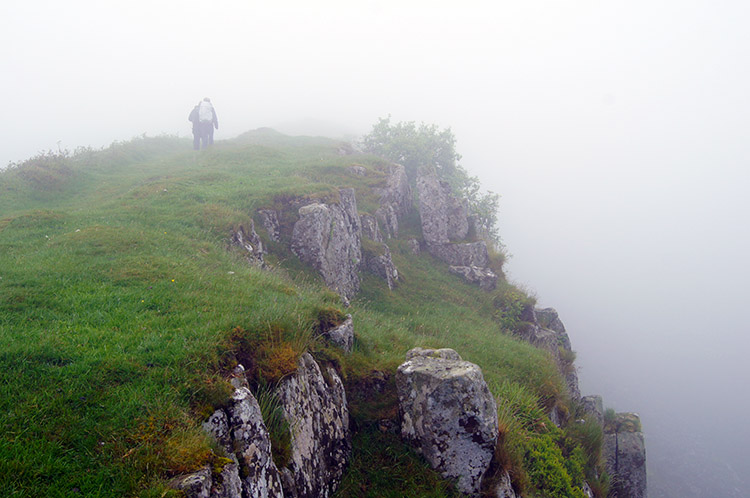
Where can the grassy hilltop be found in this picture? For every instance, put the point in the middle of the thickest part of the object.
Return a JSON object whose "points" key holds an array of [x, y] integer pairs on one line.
{"points": [[123, 307]]}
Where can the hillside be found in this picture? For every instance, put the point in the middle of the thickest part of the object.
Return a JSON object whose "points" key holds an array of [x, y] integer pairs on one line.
{"points": [[125, 309]]}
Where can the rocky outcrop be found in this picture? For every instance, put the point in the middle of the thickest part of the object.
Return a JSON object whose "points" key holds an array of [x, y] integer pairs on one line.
{"points": [[444, 218], [470, 254], [448, 414], [250, 242], [342, 335], [379, 262], [315, 407], [594, 406], [270, 220], [371, 227], [328, 237], [625, 456], [395, 200], [484, 277], [544, 329]]}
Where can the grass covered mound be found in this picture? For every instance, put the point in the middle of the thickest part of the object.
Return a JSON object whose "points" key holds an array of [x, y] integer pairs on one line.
{"points": [[123, 308]]}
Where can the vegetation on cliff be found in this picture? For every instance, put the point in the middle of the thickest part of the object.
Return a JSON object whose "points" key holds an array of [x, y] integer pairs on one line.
{"points": [[123, 309]]}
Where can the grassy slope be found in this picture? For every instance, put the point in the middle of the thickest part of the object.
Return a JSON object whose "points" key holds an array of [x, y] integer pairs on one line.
{"points": [[118, 301]]}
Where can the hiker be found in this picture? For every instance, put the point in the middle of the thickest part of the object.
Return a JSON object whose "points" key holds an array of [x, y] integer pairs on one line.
{"points": [[204, 121], [193, 118]]}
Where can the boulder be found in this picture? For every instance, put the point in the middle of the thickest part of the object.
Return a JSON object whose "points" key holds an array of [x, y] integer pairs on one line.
{"points": [[342, 336], [448, 414], [469, 254], [328, 237], [625, 457], [270, 220], [250, 242], [315, 407], [484, 277], [444, 217]]}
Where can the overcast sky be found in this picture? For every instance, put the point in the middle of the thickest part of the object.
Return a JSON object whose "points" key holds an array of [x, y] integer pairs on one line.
{"points": [[616, 132]]}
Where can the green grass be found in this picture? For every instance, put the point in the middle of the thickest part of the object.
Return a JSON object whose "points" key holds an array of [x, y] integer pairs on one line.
{"points": [[122, 308]]}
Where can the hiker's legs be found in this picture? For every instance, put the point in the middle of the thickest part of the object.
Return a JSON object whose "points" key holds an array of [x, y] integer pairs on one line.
{"points": [[196, 138]]}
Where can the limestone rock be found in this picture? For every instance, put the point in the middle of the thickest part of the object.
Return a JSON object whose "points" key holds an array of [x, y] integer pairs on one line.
{"points": [[504, 489], [414, 246], [395, 200], [549, 319], [370, 227], [625, 458], [593, 405], [328, 237], [316, 409], [484, 277], [388, 217], [444, 217], [381, 264], [250, 242], [343, 335], [251, 445], [469, 254], [195, 485], [270, 220], [448, 414]]}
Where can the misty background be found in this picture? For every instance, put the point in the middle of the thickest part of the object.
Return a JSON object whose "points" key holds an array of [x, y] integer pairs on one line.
{"points": [[616, 133]]}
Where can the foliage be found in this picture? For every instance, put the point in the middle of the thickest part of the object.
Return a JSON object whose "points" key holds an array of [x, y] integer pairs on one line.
{"points": [[427, 146], [511, 304]]}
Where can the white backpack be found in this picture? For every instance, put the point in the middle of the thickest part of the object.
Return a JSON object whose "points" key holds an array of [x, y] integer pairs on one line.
{"points": [[206, 112]]}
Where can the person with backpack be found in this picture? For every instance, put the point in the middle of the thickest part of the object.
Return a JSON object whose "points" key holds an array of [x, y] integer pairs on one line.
{"points": [[204, 121]]}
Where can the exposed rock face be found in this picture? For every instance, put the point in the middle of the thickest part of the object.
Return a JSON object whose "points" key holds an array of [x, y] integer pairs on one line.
{"points": [[196, 485], [270, 220], [444, 218], [315, 406], [593, 405], [625, 453], [382, 265], [328, 237], [250, 242], [484, 277], [370, 227], [343, 335], [470, 254], [395, 200], [448, 414], [504, 489], [414, 246]]}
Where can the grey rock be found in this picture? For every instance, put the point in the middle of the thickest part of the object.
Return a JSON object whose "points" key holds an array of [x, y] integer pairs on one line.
{"points": [[504, 489], [587, 491], [549, 319], [397, 192], [315, 407], [449, 415], [381, 264], [328, 237], [625, 460], [484, 277], [444, 217], [593, 405], [251, 445], [238, 378], [270, 220], [469, 254], [442, 353], [228, 484], [357, 170], [343, 335], [388, 218], [250, 242], [414, 246], [370, 227], [195, 485]]}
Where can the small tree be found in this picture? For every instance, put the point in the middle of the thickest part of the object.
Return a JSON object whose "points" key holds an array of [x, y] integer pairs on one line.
{"points": [[427, 145]]}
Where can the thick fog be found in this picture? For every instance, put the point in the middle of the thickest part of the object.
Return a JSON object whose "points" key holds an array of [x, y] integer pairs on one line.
{"points": [[617, 133]]}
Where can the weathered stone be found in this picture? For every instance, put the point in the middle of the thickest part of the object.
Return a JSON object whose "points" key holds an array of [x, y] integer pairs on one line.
{"points": [[484, 277], [442, 353], [414, 246], [228, 484], [251, 445], [593, 405], [238, 378], [370, 227], [504, 488], [328, 237], [449, 415], [469, 254], [381, 264], [195, 485], [357, 170], [388, 218], [625, 460], [250, 242], [316, 409], [270, 220], [587, 491], [549, 319], [342, 335], [397, 192], [444, 217]]}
